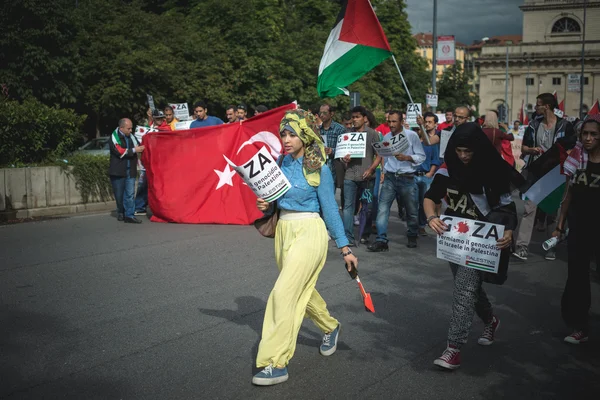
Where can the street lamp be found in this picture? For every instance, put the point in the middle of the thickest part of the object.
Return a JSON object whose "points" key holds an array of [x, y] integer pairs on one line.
{"points": [[434, 44]]}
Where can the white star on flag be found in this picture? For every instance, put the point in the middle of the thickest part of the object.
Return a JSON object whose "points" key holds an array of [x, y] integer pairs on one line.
{"points": [[225, 177]]}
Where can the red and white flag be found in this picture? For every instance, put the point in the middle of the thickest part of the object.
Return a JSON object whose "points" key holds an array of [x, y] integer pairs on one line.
{"points": [[189, 179]]}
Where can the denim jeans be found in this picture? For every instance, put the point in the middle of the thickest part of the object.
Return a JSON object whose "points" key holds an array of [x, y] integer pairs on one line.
{"points": [[423, 184], [123, 189], [351, 191], [141, 197], [406, 188]]}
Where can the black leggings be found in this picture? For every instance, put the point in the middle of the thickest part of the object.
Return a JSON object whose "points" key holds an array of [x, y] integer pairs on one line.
{"points": [[576, 299]]}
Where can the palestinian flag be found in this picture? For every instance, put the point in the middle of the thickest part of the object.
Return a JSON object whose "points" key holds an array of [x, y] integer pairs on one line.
{"points": [[595, 110], [545, 184], [356, 45], [118, 143]]}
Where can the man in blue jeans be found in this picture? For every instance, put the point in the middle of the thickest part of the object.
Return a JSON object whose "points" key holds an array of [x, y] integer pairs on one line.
{"points": [[425, 171], [359, 175], [123, 170], [399, 179]]}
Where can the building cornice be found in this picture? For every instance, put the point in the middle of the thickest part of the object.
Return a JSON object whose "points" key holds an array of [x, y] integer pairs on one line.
{"points": [[558, 6]]}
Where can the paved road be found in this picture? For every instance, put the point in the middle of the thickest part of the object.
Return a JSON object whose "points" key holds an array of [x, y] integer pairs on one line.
{"points": [[95, 309]]}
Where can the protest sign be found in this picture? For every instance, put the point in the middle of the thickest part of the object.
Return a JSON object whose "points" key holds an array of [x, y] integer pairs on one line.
{"points": [[432, 100], [444, 137], [181, 111], [150, 102], [390, 147], [470, 243], [353, 143], [412, 111], [183, 125], [140, 131], [262, 174]]}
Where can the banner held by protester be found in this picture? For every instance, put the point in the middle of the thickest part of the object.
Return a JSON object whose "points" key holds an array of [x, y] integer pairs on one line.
{"points": [[470, 243], [262, 174], [353, 143], [389, 148]]}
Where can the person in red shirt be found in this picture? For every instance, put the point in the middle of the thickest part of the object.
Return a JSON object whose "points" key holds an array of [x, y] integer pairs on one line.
{"points": [[449, 123], [497, 135]]}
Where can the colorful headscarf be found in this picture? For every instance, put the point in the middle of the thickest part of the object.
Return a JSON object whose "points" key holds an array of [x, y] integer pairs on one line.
{"points": [[304, 125]]}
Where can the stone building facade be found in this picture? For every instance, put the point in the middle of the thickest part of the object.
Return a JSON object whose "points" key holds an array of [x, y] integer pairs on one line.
{"points": [[548, 59]]}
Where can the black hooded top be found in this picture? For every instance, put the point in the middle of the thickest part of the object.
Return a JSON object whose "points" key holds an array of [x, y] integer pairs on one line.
{"points": [[473, 190]]}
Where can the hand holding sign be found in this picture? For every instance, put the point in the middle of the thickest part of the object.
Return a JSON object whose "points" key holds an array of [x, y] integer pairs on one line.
{"points": [[262, 174], [353, 143], [397, 144]]}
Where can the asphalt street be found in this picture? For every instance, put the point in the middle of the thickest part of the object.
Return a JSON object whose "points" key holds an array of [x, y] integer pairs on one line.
{"points": [[96, 309]]}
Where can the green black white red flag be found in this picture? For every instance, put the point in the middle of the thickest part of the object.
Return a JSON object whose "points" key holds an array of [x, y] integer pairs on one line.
{"points": [[356, 45]]}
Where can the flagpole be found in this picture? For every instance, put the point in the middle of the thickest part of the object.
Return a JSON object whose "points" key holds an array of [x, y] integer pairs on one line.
{"points": [[410, 97]]}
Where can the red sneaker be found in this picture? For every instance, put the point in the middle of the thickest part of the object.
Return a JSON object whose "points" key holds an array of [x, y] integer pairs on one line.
{"points": [[487, 337], [450, 358], [577, 337]]}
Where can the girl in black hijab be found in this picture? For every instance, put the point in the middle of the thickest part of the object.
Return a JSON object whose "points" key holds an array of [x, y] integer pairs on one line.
{"points": [[476, 183]]}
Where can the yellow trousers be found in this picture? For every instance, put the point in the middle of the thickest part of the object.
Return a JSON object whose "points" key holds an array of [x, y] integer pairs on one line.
{"points": [[300, 251]]}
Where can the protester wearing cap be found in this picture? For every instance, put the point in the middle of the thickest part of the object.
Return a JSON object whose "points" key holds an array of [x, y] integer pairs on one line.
{"points": [[259, 109], [399, 179], [202, 117], [306, 210], [159, 121], [242, 112]]}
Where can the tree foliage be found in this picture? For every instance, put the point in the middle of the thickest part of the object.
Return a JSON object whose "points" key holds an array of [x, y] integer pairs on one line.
{"points": [[101, 57], [454, 88]]}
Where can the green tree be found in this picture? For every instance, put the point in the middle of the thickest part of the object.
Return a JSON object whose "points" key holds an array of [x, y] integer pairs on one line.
{"points": [[39, 55], [454, 88]]}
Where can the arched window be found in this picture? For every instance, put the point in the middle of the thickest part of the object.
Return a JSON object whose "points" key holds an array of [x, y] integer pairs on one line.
{"points": [[566, 25]]}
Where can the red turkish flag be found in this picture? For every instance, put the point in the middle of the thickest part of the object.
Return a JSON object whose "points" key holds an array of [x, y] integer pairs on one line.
{"points": [[595, 109], [189, 181]]}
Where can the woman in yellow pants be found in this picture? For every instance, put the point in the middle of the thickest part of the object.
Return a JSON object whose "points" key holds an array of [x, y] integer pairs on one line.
{"points": [[300, 250]]}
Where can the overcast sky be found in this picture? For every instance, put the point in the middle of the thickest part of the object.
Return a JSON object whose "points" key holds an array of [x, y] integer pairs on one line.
{"points": [[468, 20]]}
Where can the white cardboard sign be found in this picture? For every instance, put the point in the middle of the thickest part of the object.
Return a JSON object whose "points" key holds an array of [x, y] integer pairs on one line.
{"points": [[412, 111], [262, 174], [181, 111], [470, 243], [183, 125], [432, 100], [150, 102], [353, 143], [444, 138], [390, 147]]}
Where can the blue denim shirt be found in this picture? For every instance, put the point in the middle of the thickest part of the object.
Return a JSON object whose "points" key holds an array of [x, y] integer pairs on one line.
{"points": [[432, 157], [305, 198]]}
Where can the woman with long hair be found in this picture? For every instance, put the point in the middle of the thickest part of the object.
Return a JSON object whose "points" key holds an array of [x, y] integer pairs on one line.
{"points": [[300, 250], [496, 135], [580, 209], [476, 182]]}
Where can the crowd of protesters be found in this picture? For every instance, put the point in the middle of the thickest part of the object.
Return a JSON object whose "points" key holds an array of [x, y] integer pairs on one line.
{"points": [[477, 162]]}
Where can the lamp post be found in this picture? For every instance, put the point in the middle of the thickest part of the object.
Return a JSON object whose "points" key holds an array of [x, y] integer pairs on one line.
{"points": [[581, 78], [506, 89]]}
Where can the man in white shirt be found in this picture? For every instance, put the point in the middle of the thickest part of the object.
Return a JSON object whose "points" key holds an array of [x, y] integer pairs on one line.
{"points": [[399, 181]]}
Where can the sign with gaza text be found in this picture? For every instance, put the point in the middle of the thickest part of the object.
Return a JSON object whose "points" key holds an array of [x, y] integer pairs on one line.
{"points": [[432, 100], [262, 174], [393, 146], [412, 111], [470, 243], [181, 111], [353, 143]]}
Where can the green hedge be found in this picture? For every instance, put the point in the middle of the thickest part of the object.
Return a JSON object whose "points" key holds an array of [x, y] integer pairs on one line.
{"points": [[91, 175], [31, 132]]}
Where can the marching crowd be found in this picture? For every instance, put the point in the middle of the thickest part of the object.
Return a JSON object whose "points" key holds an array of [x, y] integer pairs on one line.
{"points": [[472, 176]]}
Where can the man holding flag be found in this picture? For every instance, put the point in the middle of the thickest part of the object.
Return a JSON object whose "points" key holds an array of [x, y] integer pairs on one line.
{"points": [[543, 168]]}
